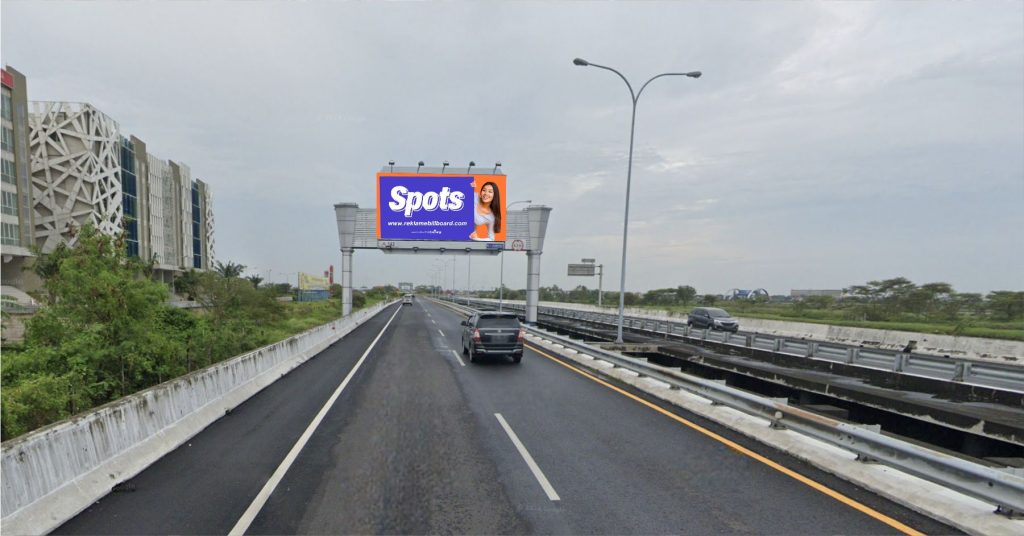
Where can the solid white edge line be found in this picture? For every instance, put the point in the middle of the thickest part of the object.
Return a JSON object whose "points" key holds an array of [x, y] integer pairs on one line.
{"points": [[261, 498], [441, 332], [457, 356], [537, 473]]}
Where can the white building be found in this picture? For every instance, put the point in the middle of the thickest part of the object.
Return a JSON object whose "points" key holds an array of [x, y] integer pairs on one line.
{"points": [[84, 171]]}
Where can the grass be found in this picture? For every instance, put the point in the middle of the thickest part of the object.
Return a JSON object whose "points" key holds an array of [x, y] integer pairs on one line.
{"points": [[301, 316]]}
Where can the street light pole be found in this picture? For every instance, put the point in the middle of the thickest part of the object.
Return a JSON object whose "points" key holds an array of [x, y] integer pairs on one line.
{"points": [[634, 97], [501, 281]]}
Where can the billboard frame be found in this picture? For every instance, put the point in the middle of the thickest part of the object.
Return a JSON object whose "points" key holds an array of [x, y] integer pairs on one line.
{"points": [[433, 173]]}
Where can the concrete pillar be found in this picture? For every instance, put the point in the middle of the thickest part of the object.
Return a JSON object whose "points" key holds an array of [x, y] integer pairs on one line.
{"points": [[537, 216], [346, 282], [532, 285], [346, 216]]}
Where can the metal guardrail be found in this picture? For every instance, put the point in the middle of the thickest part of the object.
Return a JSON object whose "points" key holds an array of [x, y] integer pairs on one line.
{"points": [[995, 375], [1000, 488]]}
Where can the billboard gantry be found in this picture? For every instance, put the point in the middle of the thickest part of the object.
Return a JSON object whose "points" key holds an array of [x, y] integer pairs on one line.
{"points": [[463, 208]]}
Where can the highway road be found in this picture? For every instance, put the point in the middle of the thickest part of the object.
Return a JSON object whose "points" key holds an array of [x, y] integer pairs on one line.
{"points": [[418, 440]]}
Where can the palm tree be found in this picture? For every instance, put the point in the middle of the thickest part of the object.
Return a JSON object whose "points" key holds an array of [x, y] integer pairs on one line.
{"points": [[255, 280], [229, 270]]}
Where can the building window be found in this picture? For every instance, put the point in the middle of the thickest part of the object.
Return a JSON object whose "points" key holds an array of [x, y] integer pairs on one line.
{"points": [[9, 173], [8, 139], [197, 246], [7, 107], [10, 235], [129, 199], [10, 203]]}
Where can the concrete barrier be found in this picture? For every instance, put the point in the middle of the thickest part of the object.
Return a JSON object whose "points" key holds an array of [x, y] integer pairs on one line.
{"points": [[994, 350], [52, 474]]}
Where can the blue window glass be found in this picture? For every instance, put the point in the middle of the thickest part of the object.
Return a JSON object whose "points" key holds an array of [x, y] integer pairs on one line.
{"points": [[129, 197]]}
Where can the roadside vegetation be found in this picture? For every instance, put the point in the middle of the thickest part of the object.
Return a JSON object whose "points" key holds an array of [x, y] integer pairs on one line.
{"points": [[893, 304], [106, 329]]}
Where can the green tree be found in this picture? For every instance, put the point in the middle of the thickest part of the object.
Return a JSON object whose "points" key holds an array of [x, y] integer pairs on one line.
{"points": [[228, 298], [100, 338], [229, 270], [1005, 304], [255, 280], [185, 284], [685, 294]]}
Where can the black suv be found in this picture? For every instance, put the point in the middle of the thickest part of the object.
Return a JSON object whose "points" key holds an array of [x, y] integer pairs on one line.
{"points": [[711, 317], [492, 334]]}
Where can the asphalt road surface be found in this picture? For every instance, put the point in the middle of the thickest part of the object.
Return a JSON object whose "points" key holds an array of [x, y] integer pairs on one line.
{"points": [[420, 441]]}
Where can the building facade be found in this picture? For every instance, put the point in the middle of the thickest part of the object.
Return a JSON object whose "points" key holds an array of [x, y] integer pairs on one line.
{"points": [[76, 172], [67, 165], [16, 224]]}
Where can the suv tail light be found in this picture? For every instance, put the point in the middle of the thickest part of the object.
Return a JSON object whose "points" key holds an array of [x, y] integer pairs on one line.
{"points": [[522, 333], [476, 335]]}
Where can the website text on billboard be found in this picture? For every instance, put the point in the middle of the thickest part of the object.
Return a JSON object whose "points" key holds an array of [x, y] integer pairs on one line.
{"points": [[441, 207]]}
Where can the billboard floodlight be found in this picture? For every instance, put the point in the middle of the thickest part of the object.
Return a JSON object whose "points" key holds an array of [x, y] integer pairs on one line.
{"points": [[496, 166], [444, 165], [471, 164], [418, 166], [392, 164]]}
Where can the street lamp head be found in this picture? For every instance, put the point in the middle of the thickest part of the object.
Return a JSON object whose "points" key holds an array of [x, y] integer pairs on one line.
{"points": [[581, 62], [694, 74]]}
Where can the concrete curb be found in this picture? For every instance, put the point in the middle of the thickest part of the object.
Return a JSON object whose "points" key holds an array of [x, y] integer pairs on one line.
{"points": [[52, 474]]}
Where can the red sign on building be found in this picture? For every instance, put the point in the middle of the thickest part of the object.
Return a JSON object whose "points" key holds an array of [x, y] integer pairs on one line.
{"points": [[7, 79]]}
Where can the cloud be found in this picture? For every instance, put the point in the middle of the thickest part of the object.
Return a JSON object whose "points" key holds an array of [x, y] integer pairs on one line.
{"points": [[824, 140]]}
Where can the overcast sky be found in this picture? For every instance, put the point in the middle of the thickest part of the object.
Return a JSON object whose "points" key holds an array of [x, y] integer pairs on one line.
{"points": [[827, 144]]}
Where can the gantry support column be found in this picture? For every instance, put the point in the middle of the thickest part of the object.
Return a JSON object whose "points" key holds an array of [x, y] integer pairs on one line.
{"points": [[538, 218], [346, 214]]}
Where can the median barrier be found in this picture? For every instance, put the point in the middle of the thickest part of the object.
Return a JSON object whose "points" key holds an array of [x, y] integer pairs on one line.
{"points": [[52, 474]]}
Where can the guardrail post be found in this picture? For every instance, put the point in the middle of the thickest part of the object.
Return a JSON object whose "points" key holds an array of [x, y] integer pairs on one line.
{"points": [[777, 345], [812, 348], [852, 354], [962, 371], [900, 362]]}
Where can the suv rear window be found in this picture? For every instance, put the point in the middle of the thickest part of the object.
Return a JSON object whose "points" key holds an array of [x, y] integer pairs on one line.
{"points": [[497, 322]]}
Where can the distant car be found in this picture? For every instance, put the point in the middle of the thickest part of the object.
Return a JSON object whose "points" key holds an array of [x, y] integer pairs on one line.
{"points": [[489, 333], [712, 317], [407, 299]]}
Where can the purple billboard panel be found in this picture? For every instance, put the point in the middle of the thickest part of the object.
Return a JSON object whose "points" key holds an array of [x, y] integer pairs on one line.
{"points": [[418, 207]]}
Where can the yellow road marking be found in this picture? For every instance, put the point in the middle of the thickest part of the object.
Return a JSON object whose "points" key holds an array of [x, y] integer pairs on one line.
{"points": [[745, 451]]}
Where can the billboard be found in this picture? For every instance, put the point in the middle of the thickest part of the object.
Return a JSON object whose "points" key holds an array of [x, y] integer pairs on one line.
{"points": [[312, 282], [427, 206]]}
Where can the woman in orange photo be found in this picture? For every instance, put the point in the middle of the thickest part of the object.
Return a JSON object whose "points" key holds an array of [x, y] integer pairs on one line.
{"points": [[487, 204]]}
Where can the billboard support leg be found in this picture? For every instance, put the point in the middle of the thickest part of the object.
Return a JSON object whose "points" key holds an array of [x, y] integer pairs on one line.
{"points": [[346, 214], [532, 285], [346, 282]]}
